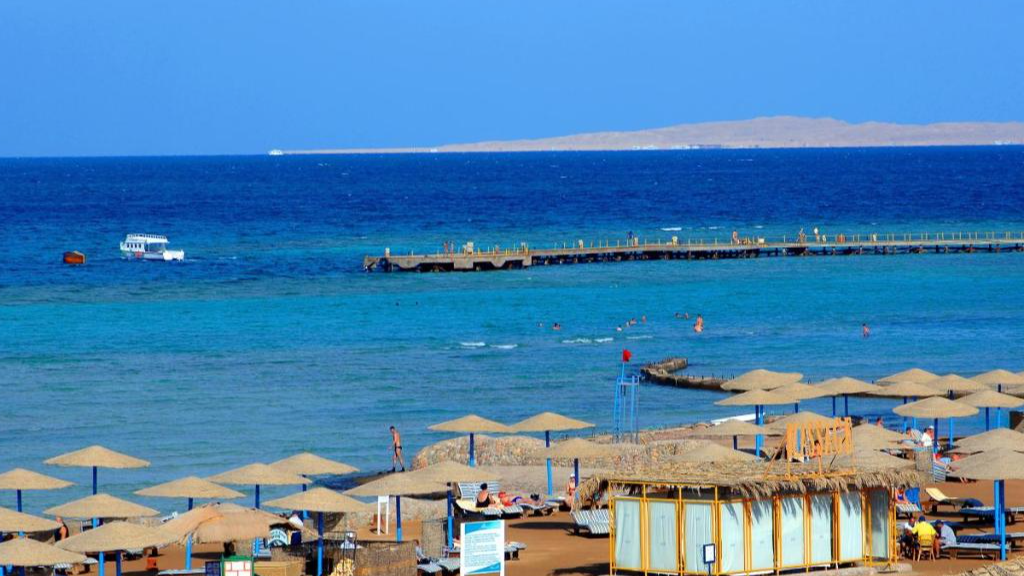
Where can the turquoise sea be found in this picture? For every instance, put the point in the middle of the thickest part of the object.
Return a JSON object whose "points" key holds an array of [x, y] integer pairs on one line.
{"points": [[269, 339]]}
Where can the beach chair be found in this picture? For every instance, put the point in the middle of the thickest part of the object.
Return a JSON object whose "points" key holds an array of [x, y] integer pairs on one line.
{"points": [[981, 550], [595, 522], [426, 564], [469, 490], [938, 498], [940, 471], [908, 509]]}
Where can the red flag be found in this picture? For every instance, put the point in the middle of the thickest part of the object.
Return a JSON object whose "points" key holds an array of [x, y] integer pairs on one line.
{"points": [[626, 356]]}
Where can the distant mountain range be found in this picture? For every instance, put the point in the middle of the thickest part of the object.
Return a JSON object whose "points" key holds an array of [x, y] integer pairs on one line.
{"points": [[772, 132]]}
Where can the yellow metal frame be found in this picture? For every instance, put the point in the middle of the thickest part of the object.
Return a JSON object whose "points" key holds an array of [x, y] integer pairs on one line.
{"points": [[716, 526]]}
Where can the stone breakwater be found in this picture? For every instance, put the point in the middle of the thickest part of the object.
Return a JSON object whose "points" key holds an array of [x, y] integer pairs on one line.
{"points": [[664, 373]]}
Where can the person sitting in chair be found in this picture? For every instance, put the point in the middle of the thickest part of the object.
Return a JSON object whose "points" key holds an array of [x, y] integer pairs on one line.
{"points": [[484, 498]]}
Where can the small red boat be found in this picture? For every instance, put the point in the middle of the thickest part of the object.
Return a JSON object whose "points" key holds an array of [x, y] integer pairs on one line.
{"points": [[74, 257]]}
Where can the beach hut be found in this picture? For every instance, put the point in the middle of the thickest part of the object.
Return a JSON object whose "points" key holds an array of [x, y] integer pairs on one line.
{"points": [[907, 391], [320, 500], [19, 479], [472, 425], [730, 428], [11, 521], [221, 522], [190, 487], [758, 399], [760, 379], [916, 375], [116, 537], [96, 457], [760, 521], [400, 484], [990, 440], [951, 384], [548, 422], [712, 453], [257, 475], [799, 392], [999, 379], [844, 386], [934, 408], [997, 465], [989, 399], [28, 553]]}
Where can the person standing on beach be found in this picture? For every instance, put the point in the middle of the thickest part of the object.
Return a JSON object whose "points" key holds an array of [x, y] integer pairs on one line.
{"points": [[396, 450]]}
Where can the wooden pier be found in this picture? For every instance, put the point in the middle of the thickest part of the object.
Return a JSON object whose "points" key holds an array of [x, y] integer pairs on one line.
{"points": [[469, 258]]}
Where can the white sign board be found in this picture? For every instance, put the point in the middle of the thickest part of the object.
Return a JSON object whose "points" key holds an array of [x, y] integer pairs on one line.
{"points": [[483, 548]]}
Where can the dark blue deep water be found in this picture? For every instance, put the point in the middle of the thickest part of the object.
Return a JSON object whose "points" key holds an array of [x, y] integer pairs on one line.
{"points": [[268, 339]]}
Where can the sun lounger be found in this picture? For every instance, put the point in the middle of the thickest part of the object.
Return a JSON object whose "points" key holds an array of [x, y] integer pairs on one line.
{"points": [[988, 537], [908, 509], [596, 522], [938, 498], [469, 490], [985, 512], [191, 572], [982, 550], [449, 565], [940, 471]]}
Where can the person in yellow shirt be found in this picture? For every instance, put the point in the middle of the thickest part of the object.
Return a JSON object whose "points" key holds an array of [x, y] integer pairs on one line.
{"points": [[926, 535]]}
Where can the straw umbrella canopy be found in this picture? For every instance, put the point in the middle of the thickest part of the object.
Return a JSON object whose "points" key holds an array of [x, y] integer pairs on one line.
{"points": [[905, 389], [951, 383], [761, 379], [580, 449], [997, 465], [221, 522], [934, 408], [97, 457], [306, 464], [258, 475], [27, 553], [320, 500], [731, 427], [873, 437], [11, 521], [712, 453], [102, 506], [548, 422], [472, 425], [913, 375], [999, 438], [799, 392], [989, 399], [867, 459], [190, 487], [779, 426], [19, 479], [400, 484], [117, 536], [844, 386], [758, 399], [999, 377]]}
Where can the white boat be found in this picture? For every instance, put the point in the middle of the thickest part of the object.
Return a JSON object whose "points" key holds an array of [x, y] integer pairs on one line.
{"points": [[149, 247], [276, 152]]}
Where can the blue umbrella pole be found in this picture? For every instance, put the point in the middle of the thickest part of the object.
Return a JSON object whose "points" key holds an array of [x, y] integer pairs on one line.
{"points": [[833, 406], [950, 433], [19, 500], [257, 497], [398, 516], [188, 544], [472, 450], [117, 562], [451, 522], [320, 544], [935, 431], [759, 420], [94, 480], [576, 471], [547, 444], [735, 443], [846, 405], [796, 407], [305, 514], [1001, 515], [988, 424]]}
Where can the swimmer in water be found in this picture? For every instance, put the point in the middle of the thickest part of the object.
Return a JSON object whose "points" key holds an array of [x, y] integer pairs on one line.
{"points": [[686, 316], [556, 326], [698, 326], [643, 319], [678, 315], [865, 331]]}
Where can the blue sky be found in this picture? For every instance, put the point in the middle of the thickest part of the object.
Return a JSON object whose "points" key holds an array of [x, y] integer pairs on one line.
{"points": [[220, 77]]}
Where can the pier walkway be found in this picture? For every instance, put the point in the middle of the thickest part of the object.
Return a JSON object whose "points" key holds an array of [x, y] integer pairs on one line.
{"points": [[470, 258]]}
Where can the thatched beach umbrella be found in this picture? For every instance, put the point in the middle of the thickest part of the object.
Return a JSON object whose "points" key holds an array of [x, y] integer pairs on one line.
{"points": [[101, 507], [712, 453], [953, 383], [190, 487], [760, 379], [999, 378], [548, 422], [472, 425], [399, 484], [997, 438], [97, 457], [29, 553], [913, 375], [116, 537], [580, 449], [221, 522], [844, 386], [997, 465], [934, 408], [306, 464], [731, 427], [11, 521], [872, 437], [19, 479], [799, 392], [870, 460], [320, 500], [989, 399], [258, 475], [907, 390], [800, 418], [758, 399]]}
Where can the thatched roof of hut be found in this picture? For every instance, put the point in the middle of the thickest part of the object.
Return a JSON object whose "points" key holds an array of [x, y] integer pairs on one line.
{"points": [[749, 478]]}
